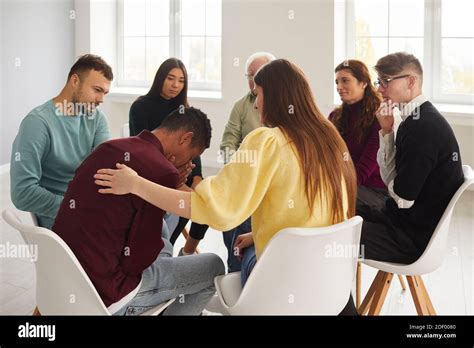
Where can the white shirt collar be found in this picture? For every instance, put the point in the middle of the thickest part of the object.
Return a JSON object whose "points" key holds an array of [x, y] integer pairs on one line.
{"points": [[408, 108]]}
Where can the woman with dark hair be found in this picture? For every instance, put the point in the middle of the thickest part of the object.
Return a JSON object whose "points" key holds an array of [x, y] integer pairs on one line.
{"points": [[168, 92], [295, 161], [356, 122]]}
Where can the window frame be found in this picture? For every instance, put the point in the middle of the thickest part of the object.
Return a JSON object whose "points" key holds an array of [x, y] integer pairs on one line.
{"points": [[431, 51], [175, 49]]}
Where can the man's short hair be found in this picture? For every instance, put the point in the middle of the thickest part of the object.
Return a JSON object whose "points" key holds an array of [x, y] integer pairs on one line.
{"points": [[89, 62], [394, 63], [190, 120]]}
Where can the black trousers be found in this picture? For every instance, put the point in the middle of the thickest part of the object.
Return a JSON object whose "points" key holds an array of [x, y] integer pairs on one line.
{"points": [[380, 239], [349, 309], [197, 231]]}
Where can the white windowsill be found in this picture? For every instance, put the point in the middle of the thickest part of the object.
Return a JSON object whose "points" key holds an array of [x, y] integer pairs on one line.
{"points": [[458, 108], [129, 94], [457, 114]]}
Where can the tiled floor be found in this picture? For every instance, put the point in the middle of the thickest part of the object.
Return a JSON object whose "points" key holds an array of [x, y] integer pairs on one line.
{"points": [[451, 286]]}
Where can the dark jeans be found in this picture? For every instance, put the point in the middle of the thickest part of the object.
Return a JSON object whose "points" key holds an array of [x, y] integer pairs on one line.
{"points": [[249, 260], [197, 231], [380, 239], [349, 309], [233, 263]]}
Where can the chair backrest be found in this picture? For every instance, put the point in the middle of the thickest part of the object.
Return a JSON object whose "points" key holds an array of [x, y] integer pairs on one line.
{"points": [[34, 219], [125, 130], [436, 250], [304, 271], [62, 286], [34, 222]]}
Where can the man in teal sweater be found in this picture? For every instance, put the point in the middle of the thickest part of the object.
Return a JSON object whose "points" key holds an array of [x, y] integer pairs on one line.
{"points": [[54, 139]]}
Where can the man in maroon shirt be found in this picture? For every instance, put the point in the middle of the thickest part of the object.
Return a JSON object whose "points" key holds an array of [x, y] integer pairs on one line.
{"points": [[117, 239]]}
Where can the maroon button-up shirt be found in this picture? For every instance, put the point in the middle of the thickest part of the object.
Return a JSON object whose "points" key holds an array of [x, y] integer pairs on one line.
{"points": [[115, 238]]}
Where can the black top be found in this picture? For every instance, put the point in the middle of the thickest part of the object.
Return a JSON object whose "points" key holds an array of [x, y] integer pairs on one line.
{"points": [[148, 113], [429, 171]]}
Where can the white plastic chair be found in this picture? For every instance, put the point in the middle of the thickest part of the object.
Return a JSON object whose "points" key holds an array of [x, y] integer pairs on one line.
{"points": [[125, 130], [429, 261], [34, 219], [299, 273], [62, 285]]}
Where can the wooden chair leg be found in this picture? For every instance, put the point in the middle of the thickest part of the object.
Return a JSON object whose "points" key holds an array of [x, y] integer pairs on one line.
{"points": [[426, 296], [420, 296], [364, 307], [358, 283], [417, 292], [36, 312], [379, 296], [402, 282]]}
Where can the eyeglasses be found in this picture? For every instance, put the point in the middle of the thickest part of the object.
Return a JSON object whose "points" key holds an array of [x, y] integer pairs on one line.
{"points": [[384, 82]]}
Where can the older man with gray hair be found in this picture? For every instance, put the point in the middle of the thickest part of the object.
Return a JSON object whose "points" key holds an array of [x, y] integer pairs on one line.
{"points": [[244, 118]]}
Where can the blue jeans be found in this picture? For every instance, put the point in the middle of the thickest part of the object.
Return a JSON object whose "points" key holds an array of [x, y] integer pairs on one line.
{"points": [[165, 236], [230, 236], [189, 279], [248, 263], [171, 222]]}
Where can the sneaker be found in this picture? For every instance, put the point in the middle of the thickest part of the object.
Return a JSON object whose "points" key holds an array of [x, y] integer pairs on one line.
{"points": [[181, 252]]}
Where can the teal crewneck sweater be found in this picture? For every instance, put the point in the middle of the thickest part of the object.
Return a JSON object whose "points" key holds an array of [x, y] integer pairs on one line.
{"points": [[45, 154]]}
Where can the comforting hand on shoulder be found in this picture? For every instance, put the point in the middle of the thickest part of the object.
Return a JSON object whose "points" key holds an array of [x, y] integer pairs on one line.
{"points": [[119, 181]]}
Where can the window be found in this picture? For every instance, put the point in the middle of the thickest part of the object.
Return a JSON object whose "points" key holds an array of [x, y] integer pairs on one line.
{"points": [[151, 31], [456, 46], [438, 32]]}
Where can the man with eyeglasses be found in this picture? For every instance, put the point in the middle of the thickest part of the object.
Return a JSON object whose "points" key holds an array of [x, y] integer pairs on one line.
{"points": [[244, 118], [421, 166]]}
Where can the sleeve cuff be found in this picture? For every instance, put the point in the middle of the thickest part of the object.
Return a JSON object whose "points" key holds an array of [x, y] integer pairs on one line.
{"points": [[387, 141], [401, 203]]}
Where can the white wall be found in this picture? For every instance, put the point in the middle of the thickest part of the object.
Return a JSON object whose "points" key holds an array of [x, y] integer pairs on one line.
{"points": [[307, 40], [2, 125], [250, 26], [41, 35]]}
